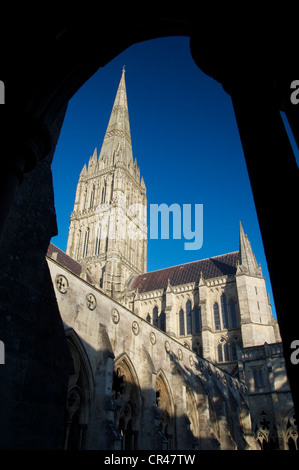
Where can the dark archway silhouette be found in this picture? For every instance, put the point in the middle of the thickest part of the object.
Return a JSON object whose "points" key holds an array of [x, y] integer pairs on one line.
{"points": [[52, 55]]}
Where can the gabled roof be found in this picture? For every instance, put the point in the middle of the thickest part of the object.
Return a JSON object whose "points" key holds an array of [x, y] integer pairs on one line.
{"points": [[222, 265], [69, 263]]}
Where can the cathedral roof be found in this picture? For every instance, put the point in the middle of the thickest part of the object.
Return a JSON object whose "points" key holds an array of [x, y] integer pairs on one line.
{"points": [[222, 265], [69, 263]]}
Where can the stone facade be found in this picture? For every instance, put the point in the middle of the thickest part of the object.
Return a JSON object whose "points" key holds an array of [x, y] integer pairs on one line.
{"points": [[187, 357], [130, 378]]}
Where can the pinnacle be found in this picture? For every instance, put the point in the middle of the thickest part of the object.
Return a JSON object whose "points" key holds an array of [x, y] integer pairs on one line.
{"points": [[246, 256], [117, 141]]}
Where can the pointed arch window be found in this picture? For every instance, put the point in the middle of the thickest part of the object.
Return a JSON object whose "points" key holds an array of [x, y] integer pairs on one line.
{"points": [[188, 317], [79, 243], [226, 352], [104, 193], [258, 378], [224, 311], [85, 246], [155, 316], [162, 321], [220, 353], [91, 202], [234, 351], [223, 351], [182, 322], [98, 240], [233, 314], [216, 316], [197, 319]]}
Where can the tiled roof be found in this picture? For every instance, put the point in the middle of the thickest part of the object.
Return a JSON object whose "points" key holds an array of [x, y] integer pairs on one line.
{"points": [[184, 273], [66, 261]]}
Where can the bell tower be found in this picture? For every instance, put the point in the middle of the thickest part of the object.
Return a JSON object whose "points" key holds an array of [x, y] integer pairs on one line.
{"points": [[108, 226]]}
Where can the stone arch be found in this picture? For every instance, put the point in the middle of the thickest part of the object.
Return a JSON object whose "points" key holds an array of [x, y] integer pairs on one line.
{"points": [[127, 399], [291, 437], [265, 431], [80, 394], [165, 411]]}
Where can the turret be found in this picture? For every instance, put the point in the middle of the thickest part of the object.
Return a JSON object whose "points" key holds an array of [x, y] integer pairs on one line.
{"points": [[257, 322]]}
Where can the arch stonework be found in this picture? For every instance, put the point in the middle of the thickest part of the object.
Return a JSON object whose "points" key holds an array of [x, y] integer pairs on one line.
{"points": [[165, 414], [127, 399], [80, 395]]}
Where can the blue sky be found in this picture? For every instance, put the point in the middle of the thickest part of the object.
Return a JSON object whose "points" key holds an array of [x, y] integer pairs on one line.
{"points": [[185, 140]]}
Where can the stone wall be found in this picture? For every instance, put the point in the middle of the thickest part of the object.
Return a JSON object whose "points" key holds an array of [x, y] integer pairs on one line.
{"points": [[114, 337]]}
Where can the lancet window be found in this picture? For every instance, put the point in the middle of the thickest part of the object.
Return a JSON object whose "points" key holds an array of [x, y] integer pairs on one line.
{"points": [[98, 240], [85, 245], [189, 322]]}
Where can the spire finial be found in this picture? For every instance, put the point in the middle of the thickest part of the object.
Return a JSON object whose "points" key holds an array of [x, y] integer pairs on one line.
{"points": [[124, 68], [246, 256]]}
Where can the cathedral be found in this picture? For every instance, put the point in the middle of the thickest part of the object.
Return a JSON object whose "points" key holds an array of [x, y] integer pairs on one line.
{"points": [[183, 358]]}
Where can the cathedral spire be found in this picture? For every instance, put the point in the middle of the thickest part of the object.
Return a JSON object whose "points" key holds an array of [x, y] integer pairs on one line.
{"points": [[247, 261], [105, 235], [117, 145]]}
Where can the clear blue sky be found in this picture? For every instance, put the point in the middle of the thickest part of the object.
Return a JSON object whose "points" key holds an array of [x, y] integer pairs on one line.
{"points": [[185, 140]]}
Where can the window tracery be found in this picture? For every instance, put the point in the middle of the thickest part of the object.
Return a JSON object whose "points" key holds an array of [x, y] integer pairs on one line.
{"points": [[265, 432], [127, 409], [165, 420]]}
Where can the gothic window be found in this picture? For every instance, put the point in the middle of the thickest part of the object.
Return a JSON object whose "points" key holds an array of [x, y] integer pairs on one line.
{"points": [[78, 397], [234, 356], [182, 323], [220, 353], [197, 319], [126, 397], [226, 352], [103, 194], [112, 185], [91, 203], [85, 246], [98, 241], [233, 314], [155, 316], [85, 197], [216, 316], [258, 378], [148, 318], [224, 311], [130, 437], [223, 351], [162, 321], [107, 236], [188, 318], [265, 432], [79, 243], [292, 438], [164, 413]]}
